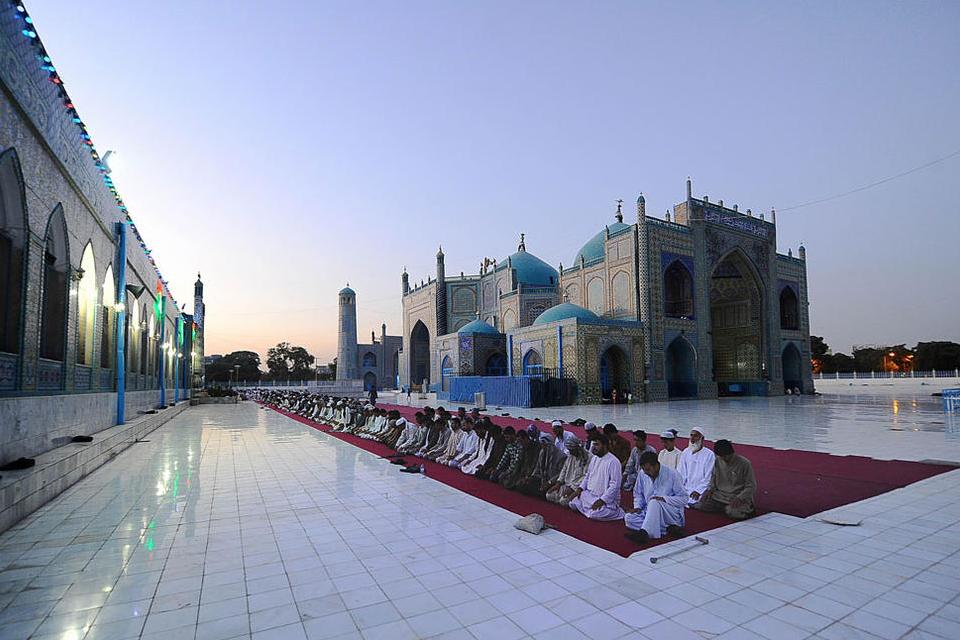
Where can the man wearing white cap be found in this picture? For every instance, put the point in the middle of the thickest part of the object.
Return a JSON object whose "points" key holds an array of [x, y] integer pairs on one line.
{"points": [[669, 456], [571, 474], [563, 437], [598, 496], [696, 466], [467, 447]]}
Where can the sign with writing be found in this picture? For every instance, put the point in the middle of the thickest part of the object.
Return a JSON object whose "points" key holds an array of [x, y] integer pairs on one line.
{"points": [[740, 223]]}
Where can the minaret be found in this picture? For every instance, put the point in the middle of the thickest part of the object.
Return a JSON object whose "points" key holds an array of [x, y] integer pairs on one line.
{"points": [[198, 307], [441, 295], [405, 281], [347, 343]]}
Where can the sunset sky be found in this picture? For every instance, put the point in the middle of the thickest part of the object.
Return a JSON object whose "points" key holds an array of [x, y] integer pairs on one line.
{"points": [[308, 144]]}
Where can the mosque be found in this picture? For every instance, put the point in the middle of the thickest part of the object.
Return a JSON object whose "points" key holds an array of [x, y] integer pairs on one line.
{"points": [[697, 306]]}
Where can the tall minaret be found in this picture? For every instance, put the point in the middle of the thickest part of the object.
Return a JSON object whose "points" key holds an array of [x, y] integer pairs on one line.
{"points": [[198, 307], [441, 295], [347, 343]]}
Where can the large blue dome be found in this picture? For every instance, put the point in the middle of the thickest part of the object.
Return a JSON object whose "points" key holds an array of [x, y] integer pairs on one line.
{"points": [[564, 311], [531, 270], [593, 250], [477, 326]]}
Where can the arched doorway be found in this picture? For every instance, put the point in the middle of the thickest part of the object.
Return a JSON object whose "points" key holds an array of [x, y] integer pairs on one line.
{"points": [[496, 365], [736, 318], [532, 363], [53, 306], [614, 373], [446, 372], [681, 361], [419, 354], [792, 368], [678, 291], [369, 381], [13, 239]]}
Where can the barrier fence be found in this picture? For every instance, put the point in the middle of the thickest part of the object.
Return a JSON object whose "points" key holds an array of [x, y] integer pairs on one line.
{"points": [[874, 375]]}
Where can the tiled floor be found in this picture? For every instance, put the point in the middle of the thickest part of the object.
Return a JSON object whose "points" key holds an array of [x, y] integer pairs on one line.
{"points": [[236, 522]]}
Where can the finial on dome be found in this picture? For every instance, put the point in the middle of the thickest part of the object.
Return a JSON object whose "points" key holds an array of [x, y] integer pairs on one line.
{"points": [[523, 246], [619, 215]]}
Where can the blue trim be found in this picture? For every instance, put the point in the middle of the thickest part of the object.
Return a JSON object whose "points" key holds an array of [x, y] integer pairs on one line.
{"points": [[121, 321], [510, 354], [559, 352], [667, 258]]}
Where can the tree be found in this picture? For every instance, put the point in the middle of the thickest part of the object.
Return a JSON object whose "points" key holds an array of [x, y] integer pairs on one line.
{"points": [[288, 362], [942, 356], [222, 370], [818, 353]]}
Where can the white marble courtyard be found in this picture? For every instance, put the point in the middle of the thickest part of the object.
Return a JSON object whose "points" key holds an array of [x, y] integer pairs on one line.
{"points": [[236, 522]]}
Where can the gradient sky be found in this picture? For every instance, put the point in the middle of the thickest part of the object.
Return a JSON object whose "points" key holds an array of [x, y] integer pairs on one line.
{"points": [[307, 144]]}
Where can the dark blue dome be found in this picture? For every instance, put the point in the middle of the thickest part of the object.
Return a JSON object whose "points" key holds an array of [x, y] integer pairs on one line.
{"points": [[478, 326], [347, 290], [564, 311]]}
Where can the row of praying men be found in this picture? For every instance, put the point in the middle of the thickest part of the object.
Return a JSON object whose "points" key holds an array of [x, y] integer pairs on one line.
{"points": [[588, 477]]}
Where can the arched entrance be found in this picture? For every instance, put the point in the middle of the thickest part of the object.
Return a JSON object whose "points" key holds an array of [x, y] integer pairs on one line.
{"points": [[419, 354], [532, 363], [792, 368], [446, 372], [736, 318], [496, 365], [789, 309], [614, 373], [369, 381], [681, 361]]}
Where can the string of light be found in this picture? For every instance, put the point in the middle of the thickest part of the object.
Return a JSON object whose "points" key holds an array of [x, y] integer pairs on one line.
{"points": [[46, 65]]}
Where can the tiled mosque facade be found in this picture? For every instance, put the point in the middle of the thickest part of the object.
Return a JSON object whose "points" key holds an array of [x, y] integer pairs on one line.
{"points": [[696, 305]]}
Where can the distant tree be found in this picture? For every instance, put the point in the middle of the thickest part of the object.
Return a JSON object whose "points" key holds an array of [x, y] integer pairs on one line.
{"points": [[222, 370], [818, 348], [941, 356], [288, 362]]}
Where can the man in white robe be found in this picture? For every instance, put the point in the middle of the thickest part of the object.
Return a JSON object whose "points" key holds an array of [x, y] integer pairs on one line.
{"points": [[467, 447], [658, 502], [571, 474], [669, 456], [563, 437], [598, 496], [453, 442], [409, 433], [696, 466]]}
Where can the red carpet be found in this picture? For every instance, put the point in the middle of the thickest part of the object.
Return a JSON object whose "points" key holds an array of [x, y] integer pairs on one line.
{"points": [[798, 483]]}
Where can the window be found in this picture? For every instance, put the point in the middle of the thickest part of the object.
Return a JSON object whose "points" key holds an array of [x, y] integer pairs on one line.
{"points": [[53, 309], [509, 319], [532, 363], [620, 287], [108, 324], [13, 228], [595, 296], [678, 291], [86, 307], [789, 309], [369, 360]]}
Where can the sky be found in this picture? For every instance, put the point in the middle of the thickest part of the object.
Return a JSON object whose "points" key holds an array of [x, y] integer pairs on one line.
{"points": [[310, 144]]}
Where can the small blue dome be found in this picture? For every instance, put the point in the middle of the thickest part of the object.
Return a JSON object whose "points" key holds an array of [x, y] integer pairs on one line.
{"points": [[531, 270], [347, 290], [477, 326], [593, 250], [564, 311]]}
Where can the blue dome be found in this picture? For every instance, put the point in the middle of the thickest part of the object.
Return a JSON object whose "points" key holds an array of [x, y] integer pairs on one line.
{"points": [[564, 311], [593, 250], [348, 290], [478, 326], [531, 270]]}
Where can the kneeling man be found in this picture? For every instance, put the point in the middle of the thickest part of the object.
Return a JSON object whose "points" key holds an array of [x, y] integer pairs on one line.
{"points": [[732, 485], [598, 496], [658, 502]]}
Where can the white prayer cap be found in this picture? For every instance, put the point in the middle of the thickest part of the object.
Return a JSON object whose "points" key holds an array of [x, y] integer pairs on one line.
{"points": [[402, 421], [589, 426], [556, 423], [667, 434], [698, 430]]}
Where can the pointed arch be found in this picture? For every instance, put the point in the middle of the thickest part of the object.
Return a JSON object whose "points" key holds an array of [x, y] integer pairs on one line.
{"points": [[86, 306], [678, 290], [108, 322], [792, 367], [532, 363], [419, 354], [681, 369], [369, 360], [737, 318], [614, 372], [496, 365], [446, 372], [14, 231], [54, 303], [789, 309]]}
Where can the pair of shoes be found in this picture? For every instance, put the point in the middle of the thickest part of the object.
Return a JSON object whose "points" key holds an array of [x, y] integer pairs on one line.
{"points": [[401, 461], [640, 537], [18, 464], [411, 469], [675, 531]]}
